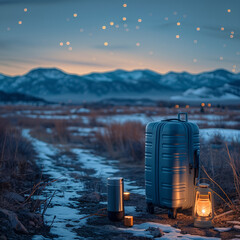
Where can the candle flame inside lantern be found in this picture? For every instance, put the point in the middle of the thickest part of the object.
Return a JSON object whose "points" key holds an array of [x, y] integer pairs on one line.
{"points": [[204, 206]]}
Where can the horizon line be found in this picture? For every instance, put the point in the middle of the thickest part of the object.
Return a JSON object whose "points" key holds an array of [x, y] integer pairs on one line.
{"points": [[118, 69]]}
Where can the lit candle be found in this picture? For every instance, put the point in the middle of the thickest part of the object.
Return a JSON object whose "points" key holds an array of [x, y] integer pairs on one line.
{"points": [[126, 196], [128, 221]]}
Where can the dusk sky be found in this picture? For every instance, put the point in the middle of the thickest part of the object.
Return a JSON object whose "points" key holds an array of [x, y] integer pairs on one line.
{"points": [[82, 36]]}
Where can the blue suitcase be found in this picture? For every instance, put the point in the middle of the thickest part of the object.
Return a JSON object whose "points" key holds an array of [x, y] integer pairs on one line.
{"points": [[171, 164]]}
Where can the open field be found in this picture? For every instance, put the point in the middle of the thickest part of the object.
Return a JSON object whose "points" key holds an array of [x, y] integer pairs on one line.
{"points": [[80, 146]]}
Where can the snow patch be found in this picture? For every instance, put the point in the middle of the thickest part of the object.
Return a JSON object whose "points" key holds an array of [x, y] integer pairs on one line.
{"points": [[140, 230], [227, 134], [223, 229]]}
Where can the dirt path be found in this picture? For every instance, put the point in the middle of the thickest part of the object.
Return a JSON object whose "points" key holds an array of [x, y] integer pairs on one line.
{"points": [[80, 190]]}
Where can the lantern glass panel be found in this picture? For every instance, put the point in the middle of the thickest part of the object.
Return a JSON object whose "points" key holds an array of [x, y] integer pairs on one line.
{"points": [[204, 206]]}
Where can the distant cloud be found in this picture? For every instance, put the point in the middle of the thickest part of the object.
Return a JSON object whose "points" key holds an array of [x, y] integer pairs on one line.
{"points": [[224, 60], [165, 25], [215, 31], [78, 62], [39, 61], [115, 47], [10, 2]]}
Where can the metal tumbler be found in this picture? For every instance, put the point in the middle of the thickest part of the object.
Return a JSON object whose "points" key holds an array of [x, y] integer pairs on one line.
{"points": [[115, 199]]}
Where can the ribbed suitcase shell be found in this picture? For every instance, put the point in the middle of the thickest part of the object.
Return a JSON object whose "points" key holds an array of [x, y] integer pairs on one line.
{"points": [[171, 163]]}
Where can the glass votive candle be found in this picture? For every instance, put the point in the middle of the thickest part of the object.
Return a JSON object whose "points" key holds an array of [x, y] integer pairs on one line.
{"points": [[126, 196], [128, 221]]}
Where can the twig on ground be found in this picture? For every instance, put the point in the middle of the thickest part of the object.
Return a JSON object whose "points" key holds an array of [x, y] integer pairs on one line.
{"points": [[223, 214]]}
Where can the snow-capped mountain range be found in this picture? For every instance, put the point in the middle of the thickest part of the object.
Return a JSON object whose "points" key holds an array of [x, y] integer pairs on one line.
{"points": [[54, 84]]}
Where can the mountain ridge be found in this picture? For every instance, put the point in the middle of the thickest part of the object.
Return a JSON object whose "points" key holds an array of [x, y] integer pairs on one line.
{"points": [[53, 82]]}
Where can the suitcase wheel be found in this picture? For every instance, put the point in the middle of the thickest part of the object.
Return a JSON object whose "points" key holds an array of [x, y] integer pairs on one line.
{"points": [[150, 208], [172, 213]]}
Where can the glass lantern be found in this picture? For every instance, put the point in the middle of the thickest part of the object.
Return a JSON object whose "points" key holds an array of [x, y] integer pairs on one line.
{"points": [[203, 207]]}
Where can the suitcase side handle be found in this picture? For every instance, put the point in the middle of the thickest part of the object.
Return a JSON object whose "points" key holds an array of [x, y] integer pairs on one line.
{"points": [[196, 165], [183, 113]]}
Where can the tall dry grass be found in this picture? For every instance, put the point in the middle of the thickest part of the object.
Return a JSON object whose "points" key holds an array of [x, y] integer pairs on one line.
{"points": [[16, 155], [123, 140], [220, 163]]}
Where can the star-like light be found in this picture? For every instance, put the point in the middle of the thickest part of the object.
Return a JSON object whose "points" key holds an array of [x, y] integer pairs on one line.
{"points": [[178, 23], [138, 44], [177, 36], [61, 43], [75, 15], [124, 18], [139, 20], [19, 22], [68, 43], [229, 10], [231, 36], [25, 9], [232, 32], [111, 23], [104, 27], [198, 28], [124, 5], [105, 44], [222, 28]]}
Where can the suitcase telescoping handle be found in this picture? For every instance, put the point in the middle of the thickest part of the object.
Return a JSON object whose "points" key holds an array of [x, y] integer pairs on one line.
{"points": [[179, 117], [183, 113]]}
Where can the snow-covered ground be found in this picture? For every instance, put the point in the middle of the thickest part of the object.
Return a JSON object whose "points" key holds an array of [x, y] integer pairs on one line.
{"points": [[65, 188], [142, 230], [209, 119], [227, 135]]}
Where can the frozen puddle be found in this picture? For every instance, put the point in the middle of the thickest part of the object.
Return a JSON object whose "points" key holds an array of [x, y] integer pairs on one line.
{"points": [[141, 230], [66, 187]]}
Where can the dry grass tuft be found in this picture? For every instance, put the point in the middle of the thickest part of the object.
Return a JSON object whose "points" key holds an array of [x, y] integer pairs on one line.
{"points": [[221, 163], [16, 153], [123, 140]]}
